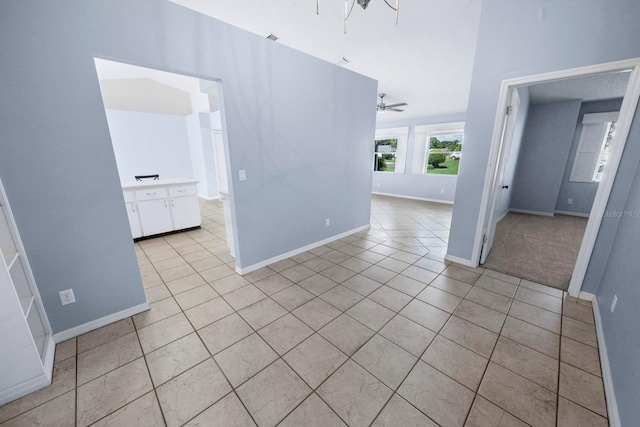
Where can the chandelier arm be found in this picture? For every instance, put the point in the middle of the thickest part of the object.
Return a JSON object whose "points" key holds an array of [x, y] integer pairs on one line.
{"points": [[396, 9], [347, 15]]}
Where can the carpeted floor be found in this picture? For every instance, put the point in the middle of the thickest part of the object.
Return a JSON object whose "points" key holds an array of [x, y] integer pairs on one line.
{"points": [[537, 248]]}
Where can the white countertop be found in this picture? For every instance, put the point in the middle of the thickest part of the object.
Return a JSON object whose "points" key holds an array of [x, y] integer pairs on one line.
{"points": [[134, 185]]}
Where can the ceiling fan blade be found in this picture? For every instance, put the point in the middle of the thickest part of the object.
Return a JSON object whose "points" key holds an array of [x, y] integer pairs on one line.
{"points": [[396, 105], [392, 109]]}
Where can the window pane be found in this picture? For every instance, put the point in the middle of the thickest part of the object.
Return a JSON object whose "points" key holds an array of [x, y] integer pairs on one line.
{"points": [[444, 154], [604, 153], [384, 158]]}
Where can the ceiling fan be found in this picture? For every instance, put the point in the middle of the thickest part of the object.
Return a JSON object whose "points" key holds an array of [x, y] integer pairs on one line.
{"points": [[384, 107]]}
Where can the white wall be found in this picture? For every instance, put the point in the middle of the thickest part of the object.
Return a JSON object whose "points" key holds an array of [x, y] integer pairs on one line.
{"points": [[149, 144]]}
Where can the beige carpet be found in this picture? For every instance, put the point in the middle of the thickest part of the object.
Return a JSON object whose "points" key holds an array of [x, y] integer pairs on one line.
{"points": [[537, 248]]}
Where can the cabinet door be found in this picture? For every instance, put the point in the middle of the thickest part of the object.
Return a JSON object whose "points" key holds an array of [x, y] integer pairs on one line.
{"points": [[134, 221], [186, 212], [155, 216]]}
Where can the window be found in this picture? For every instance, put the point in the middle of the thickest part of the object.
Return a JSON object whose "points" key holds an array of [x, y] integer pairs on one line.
{"points": [[593, 147], [438, 149], [390, 150], [444, 153], [385, 155]]}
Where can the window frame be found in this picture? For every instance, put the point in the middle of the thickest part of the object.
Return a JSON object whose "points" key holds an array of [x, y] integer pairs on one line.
{"points": [[421, 150], [587, 157], [401, 134]]}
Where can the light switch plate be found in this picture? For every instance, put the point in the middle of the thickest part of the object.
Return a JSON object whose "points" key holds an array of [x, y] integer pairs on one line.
{"points": [[242, 174]]}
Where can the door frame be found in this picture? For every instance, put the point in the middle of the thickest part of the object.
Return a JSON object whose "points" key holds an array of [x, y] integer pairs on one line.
{"points": [[627, 112]]}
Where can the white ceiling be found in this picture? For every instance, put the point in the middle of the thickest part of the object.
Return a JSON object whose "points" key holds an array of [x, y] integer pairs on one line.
{"points": [[425, 61], [587, 88]]}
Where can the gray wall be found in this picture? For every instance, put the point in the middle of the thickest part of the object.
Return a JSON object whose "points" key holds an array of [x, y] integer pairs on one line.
{"points": [[287, 115], [407, 184], [546, 36], [543, 156], [582, 193], [516, 145]]}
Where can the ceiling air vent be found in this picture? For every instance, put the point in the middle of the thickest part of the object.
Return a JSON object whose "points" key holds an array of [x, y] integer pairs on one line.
{"points": [[272, 37], [341, 61]]}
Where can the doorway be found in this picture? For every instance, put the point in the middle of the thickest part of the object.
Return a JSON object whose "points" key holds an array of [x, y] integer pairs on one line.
{"points": [[164, 124], [499, 160]]}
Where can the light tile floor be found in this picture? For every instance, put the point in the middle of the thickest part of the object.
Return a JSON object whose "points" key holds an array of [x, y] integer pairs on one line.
{"points": [[373, 329]]}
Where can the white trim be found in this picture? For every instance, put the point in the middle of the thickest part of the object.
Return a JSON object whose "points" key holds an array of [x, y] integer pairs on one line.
{"points": [[254, 267], [569, 213], [209, 198], [612, 404], [587, 296], [461, 261], [610, 116], [447, 128], [528, 212], [424, 199], [627, 112], [24, 388], [98, 323]]}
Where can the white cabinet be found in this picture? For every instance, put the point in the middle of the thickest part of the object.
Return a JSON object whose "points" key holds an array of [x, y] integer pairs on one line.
{"points": [[134, 220], [26, 359], [158, 207], [155, 216], [186, 212]]}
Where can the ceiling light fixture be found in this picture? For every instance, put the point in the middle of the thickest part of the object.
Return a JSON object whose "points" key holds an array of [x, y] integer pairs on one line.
{"points": [[363, 3]]}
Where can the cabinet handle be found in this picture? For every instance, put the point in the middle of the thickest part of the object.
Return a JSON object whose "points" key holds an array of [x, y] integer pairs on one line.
{"points": [[172, 205], [181, 191], [152, 194], [165, 204]]}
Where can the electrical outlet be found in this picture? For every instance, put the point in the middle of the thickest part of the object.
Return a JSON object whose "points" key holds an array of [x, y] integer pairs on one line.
{"points": [[242, 175], [614, 302], [67, 297], [570, 201], [442, 191], [327, 222]]}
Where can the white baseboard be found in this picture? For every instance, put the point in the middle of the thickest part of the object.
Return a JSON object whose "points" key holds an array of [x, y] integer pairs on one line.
{"points": [[612, 405], [424, 199], [33, 384], [98, 323], [569, 213], [254, 267], [524, 211], [587, 296], [462, 261]]}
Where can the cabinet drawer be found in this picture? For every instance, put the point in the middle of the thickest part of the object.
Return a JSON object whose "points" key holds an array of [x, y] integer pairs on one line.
{"points": [[183, 190], [151, 194], [129, 196]]}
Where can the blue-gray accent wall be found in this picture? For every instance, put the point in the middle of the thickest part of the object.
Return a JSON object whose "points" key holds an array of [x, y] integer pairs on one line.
{"points": [[543, 156], [288, 116]]}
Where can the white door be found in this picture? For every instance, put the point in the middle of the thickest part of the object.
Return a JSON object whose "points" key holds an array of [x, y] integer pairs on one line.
{"points": [[186, 212], [155, 216], [134, 221], [498, 179]]}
